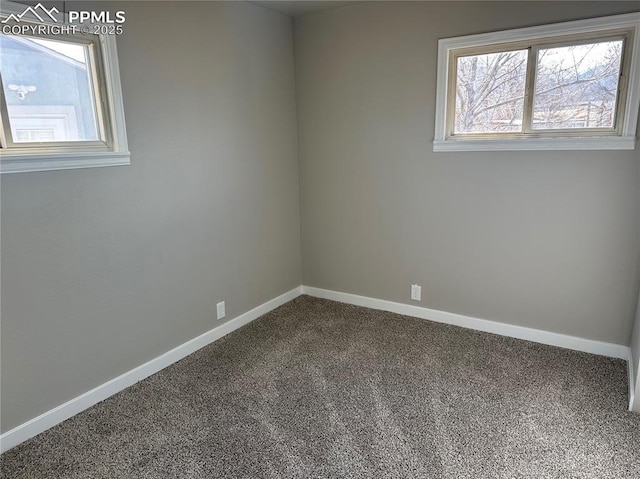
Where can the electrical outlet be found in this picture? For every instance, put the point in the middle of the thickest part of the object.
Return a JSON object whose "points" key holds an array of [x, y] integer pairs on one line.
{"points": [[220, 308], [416, 292]]}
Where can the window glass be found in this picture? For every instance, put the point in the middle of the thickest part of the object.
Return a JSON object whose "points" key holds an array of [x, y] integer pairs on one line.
{"points": [[48, 88], [576, 86], [490, 91]]}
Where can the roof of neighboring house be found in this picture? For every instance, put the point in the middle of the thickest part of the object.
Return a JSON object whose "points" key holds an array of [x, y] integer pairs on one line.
{"points": [[26, 42]]}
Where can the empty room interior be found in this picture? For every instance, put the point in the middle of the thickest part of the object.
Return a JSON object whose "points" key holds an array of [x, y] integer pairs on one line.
{"points": [[320, 239]]}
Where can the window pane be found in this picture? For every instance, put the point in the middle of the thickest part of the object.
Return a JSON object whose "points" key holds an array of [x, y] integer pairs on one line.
{"points": [[576, 86], [490, 92], [48, 89]]}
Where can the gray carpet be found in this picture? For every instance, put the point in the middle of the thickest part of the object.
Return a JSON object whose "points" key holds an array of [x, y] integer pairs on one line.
{"points": [[321, 389]]}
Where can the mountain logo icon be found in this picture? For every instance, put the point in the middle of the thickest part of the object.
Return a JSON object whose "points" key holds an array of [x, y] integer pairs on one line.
{"points": [[39, 12]]}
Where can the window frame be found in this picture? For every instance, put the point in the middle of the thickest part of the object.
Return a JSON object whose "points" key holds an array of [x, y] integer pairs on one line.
{"points": [[622, 136], [111, 149]]}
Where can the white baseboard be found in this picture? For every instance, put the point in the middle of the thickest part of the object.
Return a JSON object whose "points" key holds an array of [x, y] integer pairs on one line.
{"points": [[632, 380], [503, 329], [76, 405]]}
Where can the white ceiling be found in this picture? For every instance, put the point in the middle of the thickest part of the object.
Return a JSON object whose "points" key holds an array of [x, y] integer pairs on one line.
{"points": [[302, 7]]}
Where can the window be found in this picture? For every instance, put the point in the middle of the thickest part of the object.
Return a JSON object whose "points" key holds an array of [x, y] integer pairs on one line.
{"points": [[573, 85], [61, 103]]}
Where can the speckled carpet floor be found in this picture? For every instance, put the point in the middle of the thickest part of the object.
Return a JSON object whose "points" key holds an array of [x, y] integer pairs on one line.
{"points": [[319, 389]]}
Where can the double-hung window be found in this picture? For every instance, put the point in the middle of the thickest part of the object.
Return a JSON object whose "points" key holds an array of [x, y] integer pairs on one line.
{"points": [[61, 104], [572, 85]]}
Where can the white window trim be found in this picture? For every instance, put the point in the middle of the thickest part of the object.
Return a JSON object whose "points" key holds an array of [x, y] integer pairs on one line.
{"points": [[118, 155], [625, 141]]}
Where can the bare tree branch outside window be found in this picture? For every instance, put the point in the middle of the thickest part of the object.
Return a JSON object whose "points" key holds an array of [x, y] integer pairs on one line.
{"points": [[490, 92], [576, 86]]}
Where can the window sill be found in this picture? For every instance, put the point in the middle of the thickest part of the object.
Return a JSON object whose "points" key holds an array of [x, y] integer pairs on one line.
{"points": [[537, 144], [23, 163]]}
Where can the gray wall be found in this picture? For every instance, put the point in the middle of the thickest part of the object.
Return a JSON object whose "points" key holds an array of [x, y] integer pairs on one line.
{"points": [[547, 240], [104, 269], [635, 351], [635, 357]]}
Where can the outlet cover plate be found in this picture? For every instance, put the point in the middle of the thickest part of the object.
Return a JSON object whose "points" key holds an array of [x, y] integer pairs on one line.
{"points": [[416, 292], [220, 310]]}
